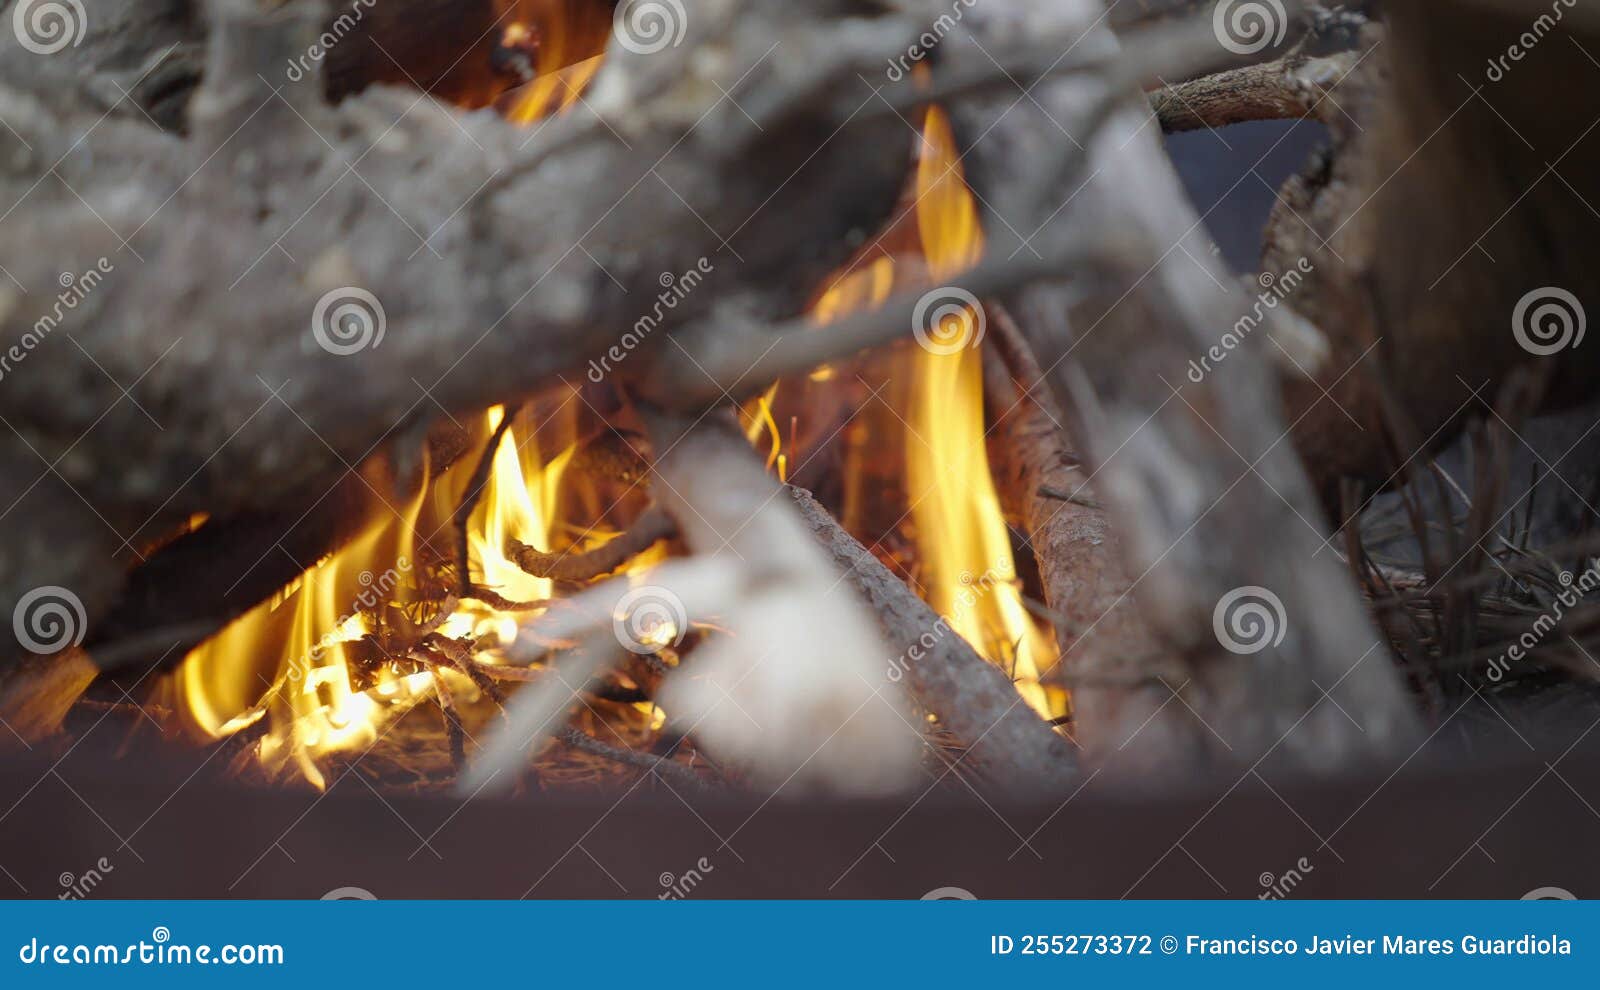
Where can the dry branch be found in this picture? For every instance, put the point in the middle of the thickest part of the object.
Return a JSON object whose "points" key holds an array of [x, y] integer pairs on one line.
{"points": [[1005, 742], [670, 771], [275, 200], [1110, 657], [799, 691], [1188, 473], [461, 519], [652, 526], [1277, 90], [1300, 83], [792, 688]]}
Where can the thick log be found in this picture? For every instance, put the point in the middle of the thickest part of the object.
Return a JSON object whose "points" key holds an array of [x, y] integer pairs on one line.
{"points": [[191, 588], [1210, 500], [1456, 189], [130, 59], [497, 260]]}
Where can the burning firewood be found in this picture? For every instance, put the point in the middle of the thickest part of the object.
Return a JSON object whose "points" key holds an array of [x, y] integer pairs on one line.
{"points": [[1110, 658], [492, 217], [794, 693], [367, 350], [1003, 741], [649, 529], [272, 457], [1115, 348]]}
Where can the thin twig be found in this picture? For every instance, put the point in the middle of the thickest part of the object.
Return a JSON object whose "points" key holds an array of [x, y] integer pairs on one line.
{"points": [[649, 529], [670, 771], [469, 503], [452, 721], [460, 656]]}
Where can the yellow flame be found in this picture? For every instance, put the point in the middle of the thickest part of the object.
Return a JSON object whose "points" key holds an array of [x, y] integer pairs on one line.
{"points": [[512, 509], [867, 287], [569, 39], [290, 659], [286, 659], [962, 539], [963, 545], [756, 418]]}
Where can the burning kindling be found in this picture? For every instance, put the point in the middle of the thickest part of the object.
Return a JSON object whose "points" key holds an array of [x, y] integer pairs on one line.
{"points": [[505, 395]]}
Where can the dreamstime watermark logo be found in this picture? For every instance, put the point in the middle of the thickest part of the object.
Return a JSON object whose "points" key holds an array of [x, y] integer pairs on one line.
{"points": [[1549, 894], [646, 27], [1276, 888], [1548, 321], [1248, 620], [948, 321], [674, 290], [676, 888], [949, 894], [972, 591], [48, 620], [1274, 290], [336, 32], [1573, 590], [46, 27], [349, 894], [75, 289], [1250, 27], [1526, 42], [160, 951], [76, 888], [648, 619], [900, 67], [348, 321]]}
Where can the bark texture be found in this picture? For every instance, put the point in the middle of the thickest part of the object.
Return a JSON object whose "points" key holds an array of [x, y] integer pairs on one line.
{"points": [[1210, 499], [1083, 564], [190, 376], [1457, 187], [1006, 744]]}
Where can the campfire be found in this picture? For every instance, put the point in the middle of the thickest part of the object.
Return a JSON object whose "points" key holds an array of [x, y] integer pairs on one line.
{"points": [[424, 606], [321, 671], [763, 396]]}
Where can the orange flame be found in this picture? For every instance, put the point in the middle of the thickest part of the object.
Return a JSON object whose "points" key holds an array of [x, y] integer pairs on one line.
{"points": [[290, 660], [963, 545], [302, 662], [569, 42]]}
